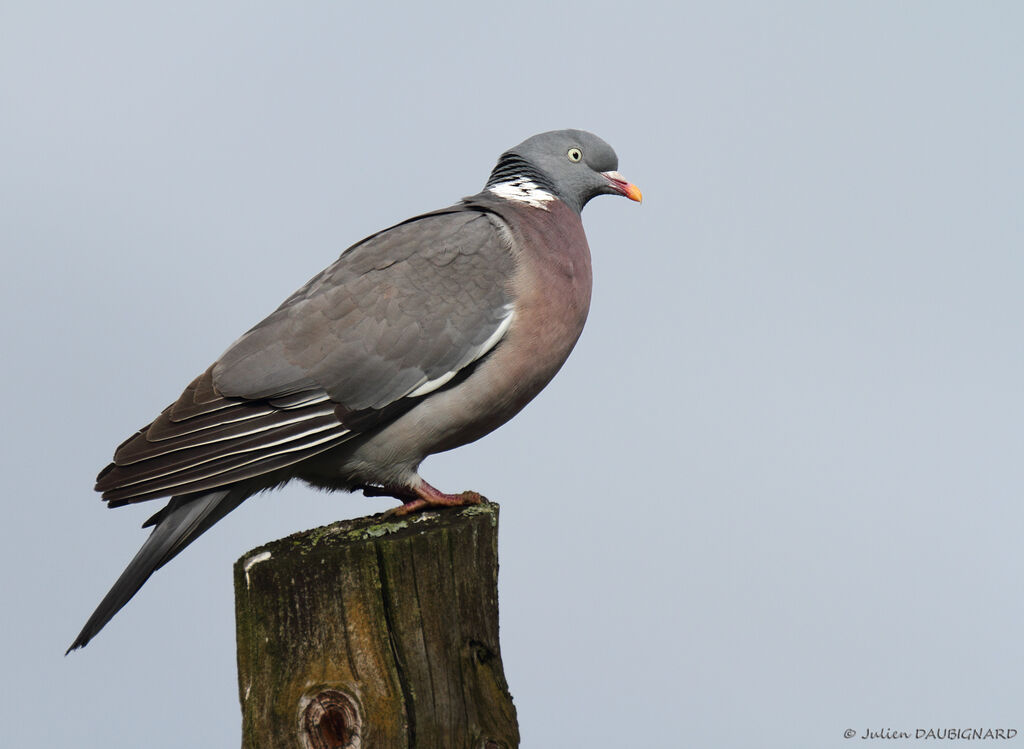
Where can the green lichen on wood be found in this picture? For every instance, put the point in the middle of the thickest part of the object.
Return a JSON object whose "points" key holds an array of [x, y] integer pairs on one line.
{"points": [[398, 613], [371, 527]]}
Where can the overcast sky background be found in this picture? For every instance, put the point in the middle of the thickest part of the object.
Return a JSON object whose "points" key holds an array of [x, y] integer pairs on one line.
{"points": [[776, 492]]}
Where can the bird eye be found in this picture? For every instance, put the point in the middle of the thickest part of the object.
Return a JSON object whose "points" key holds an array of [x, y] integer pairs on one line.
{"points": [[575, 154]]}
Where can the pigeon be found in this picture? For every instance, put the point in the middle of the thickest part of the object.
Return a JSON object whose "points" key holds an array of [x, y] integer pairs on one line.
{"points": [[420, 338]]}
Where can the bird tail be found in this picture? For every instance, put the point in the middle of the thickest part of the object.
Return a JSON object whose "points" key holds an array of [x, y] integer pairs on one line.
{"points": [[177, 525]]}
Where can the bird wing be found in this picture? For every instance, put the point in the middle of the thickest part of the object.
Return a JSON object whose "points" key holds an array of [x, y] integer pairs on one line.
{"points": [[396, 317]]}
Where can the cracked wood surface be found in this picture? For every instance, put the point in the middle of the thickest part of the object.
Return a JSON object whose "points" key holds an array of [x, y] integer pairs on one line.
{"points": [[375, 633]]}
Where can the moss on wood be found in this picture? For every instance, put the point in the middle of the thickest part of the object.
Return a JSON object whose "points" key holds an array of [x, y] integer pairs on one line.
{"points": [[375, 632]]}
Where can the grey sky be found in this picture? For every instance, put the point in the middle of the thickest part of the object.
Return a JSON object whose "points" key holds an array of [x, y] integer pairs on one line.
{"points": [[774, 494]]}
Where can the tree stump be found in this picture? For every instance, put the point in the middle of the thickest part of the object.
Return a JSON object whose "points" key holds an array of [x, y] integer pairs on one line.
{"points": [[375, 633]]}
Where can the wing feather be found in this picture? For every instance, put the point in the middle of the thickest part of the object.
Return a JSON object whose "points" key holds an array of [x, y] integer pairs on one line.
{"points": [[400, 309], [395, 318]]}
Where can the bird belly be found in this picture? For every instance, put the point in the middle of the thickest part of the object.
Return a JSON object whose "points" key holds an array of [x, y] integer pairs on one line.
{"points": [[551, 290], [549, 317]]}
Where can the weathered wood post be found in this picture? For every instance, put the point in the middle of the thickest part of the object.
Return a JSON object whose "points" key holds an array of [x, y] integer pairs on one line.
{"points": [[375, 633]]}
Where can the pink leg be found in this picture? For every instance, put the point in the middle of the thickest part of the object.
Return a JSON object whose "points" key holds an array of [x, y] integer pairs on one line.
{"points": [[423, 497]]}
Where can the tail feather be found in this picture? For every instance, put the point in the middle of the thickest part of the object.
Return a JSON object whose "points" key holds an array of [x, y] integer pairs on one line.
{"points": [[180, 523]]}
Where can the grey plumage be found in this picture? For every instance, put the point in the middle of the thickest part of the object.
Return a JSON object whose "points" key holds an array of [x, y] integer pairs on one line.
{"points": [[418, 339]]}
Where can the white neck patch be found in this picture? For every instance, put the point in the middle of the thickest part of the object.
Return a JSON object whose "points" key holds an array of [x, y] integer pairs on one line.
{"points": [[523, 190]]}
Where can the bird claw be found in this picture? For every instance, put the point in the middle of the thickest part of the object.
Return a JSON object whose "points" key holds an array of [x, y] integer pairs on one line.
{"points": [[438, 501], [421, 498]]}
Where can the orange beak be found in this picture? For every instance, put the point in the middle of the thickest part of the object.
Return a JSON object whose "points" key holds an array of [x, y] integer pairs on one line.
{"points": [[623, 186]]}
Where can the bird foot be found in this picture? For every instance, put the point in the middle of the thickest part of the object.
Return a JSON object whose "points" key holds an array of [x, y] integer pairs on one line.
{"points": [[424, 497], [442, 500]]}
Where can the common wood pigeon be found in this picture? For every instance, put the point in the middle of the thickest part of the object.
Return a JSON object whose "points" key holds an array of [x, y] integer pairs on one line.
{"points": [[418, 339]]}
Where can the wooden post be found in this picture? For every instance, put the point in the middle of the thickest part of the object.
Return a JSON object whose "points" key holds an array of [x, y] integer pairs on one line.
{"points": [[375, 633]]}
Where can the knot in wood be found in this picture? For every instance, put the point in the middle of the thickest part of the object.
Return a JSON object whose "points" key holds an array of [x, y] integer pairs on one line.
{"points": [[331, 721], [481, 652]]}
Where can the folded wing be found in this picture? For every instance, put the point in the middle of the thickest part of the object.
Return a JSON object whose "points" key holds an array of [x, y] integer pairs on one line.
{"points": [[395, 318]]}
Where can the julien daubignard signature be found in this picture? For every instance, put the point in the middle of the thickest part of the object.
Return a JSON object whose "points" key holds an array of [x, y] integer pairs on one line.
{"points": [[962, 734]]}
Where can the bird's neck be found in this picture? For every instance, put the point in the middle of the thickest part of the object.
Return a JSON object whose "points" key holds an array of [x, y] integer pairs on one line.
{"points": [[516, 179]]}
